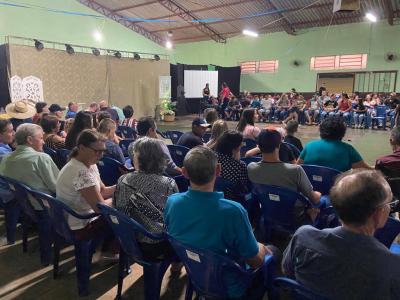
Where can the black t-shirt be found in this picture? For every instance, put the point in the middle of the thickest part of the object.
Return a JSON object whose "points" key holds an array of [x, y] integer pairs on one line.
{"points": [[286, 154], [189, 140], [206, 91], [294, 141], [394, 102]]}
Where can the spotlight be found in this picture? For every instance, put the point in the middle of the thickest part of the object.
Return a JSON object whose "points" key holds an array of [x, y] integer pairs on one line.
{"points": [[168, 44], [136, 56], [371, 17], [69, 49], [117, 54], [95, 52], [156, 57], [39, 45], [250, 33], [97, 36]]}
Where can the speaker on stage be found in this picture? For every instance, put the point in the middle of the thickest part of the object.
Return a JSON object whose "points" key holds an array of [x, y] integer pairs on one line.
{"points": [[346, 5]]}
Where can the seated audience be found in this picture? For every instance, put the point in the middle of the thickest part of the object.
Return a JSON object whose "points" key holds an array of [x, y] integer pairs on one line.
{"points": [[146, 126], [232, 168], [83, 120], [348, 262], [20, 112], [193, 138], [272, 171], [41, 108], [107, 128], [246, 124], [102, 115], [291, 129], [360, 112], [72, 110], [142, 195], [93, 108], [28, 163], [79, 185], [344, 108], [56, 110], [217, 129], [203, 219], [113, 113], [391, 161], [129, 120], [330, 151], [7, 137], [120, 113], [51, 127], [210, 115], [67, 125]]}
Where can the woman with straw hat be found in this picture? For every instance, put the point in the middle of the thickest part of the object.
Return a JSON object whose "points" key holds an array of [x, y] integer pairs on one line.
{"points": [[20, 112]]}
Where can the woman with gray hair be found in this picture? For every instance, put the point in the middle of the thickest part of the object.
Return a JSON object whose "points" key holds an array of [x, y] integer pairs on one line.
{"points": [[142, 195]]}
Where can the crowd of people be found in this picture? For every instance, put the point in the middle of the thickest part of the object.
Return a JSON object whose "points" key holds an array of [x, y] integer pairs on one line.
{"points": [[206, 219]]}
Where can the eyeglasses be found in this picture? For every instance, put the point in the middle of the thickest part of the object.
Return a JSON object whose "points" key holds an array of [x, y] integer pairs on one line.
{"points": [[392, 204], [98, 151]]}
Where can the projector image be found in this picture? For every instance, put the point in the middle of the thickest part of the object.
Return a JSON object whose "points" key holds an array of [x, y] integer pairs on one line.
{"points": [[346, 5]]}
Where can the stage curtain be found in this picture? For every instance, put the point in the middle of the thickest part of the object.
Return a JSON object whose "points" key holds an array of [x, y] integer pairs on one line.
{"points": [[85, 78]]}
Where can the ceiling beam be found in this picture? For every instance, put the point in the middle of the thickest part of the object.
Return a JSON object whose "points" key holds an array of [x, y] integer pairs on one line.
{"points": [[201, 9], [118, 18], [389, 12], [286, 24], [134, 6], [189, 17], [235, 19]]}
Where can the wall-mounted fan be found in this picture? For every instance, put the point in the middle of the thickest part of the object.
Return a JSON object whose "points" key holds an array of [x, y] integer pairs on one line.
{"points": [[390, 56], [296, 63]]}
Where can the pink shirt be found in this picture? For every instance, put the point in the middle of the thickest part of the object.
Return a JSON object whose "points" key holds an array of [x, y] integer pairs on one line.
{"points": [[251, 132], [225, 93]]}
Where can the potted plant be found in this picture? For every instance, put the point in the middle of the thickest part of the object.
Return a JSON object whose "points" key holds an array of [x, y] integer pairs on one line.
{"points": [[168, 110]]}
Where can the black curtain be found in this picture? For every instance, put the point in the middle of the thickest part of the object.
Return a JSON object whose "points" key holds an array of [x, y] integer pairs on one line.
{"points": [[230, 75], [4, 90]]}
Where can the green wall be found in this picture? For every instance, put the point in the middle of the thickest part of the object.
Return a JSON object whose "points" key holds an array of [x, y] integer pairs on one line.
{"points": [[73, 29], [373, 39]]}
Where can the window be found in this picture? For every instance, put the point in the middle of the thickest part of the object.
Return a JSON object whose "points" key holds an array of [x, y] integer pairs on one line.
{"points": [[248, 67], [268, 66], [339, 62]]}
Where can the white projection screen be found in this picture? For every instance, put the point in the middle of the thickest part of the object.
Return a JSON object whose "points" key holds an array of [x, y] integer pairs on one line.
{"points": [[195, 81]]}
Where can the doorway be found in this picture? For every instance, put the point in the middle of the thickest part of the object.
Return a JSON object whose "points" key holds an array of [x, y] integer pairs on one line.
{"points": [[337, 82]]}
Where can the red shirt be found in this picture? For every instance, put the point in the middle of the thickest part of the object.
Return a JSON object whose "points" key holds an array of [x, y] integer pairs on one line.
{"points": [[391, 161], [344, 105], [225, 93]]}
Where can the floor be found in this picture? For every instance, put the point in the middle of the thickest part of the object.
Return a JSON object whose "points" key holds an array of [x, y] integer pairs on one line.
{"points": [[22, 277]]}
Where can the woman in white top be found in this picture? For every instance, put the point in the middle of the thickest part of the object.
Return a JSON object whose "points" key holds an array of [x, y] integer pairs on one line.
{"points": [[79, 185], [246, 124]]}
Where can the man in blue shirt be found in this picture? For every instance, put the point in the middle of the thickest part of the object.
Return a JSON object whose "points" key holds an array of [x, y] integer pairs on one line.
{"points": [[348, 262], [72, 110], [204, 219]]}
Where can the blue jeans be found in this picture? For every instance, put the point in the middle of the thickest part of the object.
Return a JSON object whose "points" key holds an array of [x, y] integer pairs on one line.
{"points": [[346, 116], [359, 119]]}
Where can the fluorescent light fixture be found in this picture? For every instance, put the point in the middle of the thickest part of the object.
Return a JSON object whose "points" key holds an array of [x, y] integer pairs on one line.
{"points": [[97, 36], [250, 33], [168, 44], [371, 17]]}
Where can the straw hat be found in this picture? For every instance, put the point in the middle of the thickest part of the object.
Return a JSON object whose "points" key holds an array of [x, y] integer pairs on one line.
{"points": [[20, 110]]}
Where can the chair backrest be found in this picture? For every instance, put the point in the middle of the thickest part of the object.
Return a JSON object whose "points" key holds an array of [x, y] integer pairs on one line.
{"points": [[206, 269], [125, 230], [206, 137], [110, 170], [127, 132], [389, 232], [124, 144], [248, 160], [391, 171], [277, 204], [52, 153], [248, 144], [174, 135], [58, 212], [297, 291], [381, 111], [162, 134], [321, 178], [23, 195], [182, 182], [294, 149], [178, 153], [62, 156]]}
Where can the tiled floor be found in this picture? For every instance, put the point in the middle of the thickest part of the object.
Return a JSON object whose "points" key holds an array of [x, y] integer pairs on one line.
{"points": [[22, 277]]}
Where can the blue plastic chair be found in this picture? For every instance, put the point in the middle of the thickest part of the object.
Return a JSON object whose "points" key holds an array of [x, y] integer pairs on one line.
{"points": [[127, 132], [248, 160], [321, 178], [52, 153], [294, 149], [178, 154], [125, 230], [124, 144], [174, 135], [111, 170], [206, 137], [11, 217], [380, 115], [84, 250], [278, 205], [206, 271], [388, 233], [62, 157], [248, 144], [296, 290], [162, 134], [29, 216], [182, 182]]}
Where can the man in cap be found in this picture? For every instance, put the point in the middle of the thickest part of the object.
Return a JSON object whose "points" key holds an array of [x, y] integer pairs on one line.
{"points": [[194, 138]]}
